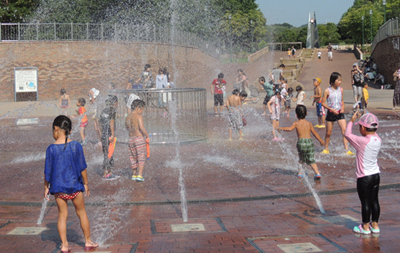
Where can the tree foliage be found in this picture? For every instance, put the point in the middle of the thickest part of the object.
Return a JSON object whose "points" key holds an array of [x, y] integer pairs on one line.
{"points": [[350, 25], [13, 11]]}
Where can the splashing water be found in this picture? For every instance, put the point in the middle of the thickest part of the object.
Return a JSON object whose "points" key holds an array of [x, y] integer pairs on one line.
{"points": [[178, 163], [108, 219], [284, 146], [41, 216]]}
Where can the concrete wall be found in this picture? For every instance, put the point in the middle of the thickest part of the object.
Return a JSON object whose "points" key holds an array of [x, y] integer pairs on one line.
{"points": [[387, 57], [78, 66]]}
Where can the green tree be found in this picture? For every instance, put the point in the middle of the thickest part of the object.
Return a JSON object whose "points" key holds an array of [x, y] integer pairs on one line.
{"points": [[350, 25], [13, 11], [328, 34], [302, 35]]}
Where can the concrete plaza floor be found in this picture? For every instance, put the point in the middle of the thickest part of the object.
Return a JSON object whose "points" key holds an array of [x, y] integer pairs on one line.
{"points": [[241, 196]]}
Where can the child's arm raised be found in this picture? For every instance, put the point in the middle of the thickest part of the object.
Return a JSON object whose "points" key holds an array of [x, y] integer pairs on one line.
{"points": [[288, 129], [355, 141], [85, 182], [316, 135]]}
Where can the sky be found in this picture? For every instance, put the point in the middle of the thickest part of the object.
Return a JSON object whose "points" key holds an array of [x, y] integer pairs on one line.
{"points": [[295, 12]]}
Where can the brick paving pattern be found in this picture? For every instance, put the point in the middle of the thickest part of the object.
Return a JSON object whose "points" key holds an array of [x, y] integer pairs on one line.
{"points": [[246, 194]]}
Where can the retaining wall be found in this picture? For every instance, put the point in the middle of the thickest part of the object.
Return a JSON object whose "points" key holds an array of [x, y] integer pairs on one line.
{"points": [[387, 57], [78, 66]]}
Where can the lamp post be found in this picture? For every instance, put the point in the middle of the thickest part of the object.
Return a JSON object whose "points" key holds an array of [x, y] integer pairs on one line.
{"points": [[252, 34], [362, 45], [384, 10], [370, 13], [230, 34]]}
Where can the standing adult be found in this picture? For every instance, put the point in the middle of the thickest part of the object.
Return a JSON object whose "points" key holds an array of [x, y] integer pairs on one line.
{"points": [[161, 83], [367, 65], [241, 81], [330, 48], [357, 79], [146, 78], [168, 75], [396, 94], [276, 75]]}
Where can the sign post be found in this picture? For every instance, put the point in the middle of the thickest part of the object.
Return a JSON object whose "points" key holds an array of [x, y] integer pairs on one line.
{"points": [[25, 83]]}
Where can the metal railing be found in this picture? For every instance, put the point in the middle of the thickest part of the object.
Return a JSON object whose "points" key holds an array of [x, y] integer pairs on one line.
{"points": [[390, 28], [171, 116], [103, 31]]}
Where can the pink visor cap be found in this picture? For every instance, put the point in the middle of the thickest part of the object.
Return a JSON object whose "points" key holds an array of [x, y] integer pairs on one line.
{"points": [[368, 120]]}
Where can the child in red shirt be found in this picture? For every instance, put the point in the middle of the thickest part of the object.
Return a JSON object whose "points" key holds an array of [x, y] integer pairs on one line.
{"points": [[217, 89]]}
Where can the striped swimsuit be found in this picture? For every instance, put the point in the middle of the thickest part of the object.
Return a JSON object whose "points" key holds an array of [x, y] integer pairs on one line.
{"points": [[137, 151]]}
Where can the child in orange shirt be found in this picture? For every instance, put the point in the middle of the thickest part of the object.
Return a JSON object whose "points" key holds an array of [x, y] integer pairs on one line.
{"points": [[84, 121]]}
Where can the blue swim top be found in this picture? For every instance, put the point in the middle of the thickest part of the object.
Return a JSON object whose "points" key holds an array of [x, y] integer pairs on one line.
{"points": [[63, 168]]}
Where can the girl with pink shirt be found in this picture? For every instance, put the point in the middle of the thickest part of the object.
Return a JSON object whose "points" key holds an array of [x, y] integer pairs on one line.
{"points": [[367, 171]]}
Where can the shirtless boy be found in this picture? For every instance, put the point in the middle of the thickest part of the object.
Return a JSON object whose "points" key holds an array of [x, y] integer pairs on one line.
{"points": [[305, 145], [234, 106], [317, 101], [137, 142]]}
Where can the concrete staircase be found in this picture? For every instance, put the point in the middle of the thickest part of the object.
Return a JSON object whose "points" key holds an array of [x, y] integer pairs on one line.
{"points": [[293, 67]]}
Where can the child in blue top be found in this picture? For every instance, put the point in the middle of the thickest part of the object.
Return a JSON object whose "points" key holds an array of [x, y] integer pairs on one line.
{"points": [[65, 177]]}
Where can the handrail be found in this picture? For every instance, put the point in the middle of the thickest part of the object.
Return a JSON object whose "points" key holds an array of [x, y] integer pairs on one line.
{"points": [[390, 28]]}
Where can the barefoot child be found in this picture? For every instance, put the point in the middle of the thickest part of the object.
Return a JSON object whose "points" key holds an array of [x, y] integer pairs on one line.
{"points": [[305, 145], [317, 101], [84, 121], [288, 101], [367, 170], [217, 89], [269, 92], [274, 107], [333, 101], [301, 96], [107, 135], [138, 137], [64, 101], [65, 177], [234, 107], [365, 96]]}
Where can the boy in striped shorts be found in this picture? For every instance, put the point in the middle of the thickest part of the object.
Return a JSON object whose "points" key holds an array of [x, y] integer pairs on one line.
{"points": [[138, 137]]}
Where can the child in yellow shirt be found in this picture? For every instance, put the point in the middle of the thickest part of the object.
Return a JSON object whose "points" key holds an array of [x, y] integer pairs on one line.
{"points": [[365, 97]]}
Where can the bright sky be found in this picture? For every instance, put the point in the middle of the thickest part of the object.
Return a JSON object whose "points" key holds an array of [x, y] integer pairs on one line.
{"points": [[295, 12]]}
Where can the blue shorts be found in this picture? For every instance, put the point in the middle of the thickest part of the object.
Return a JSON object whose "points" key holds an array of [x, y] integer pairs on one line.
{"points": [[320, 110]]}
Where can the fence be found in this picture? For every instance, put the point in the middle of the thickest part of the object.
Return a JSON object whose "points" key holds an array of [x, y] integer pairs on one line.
{"points": [[103, 31], [390, 28], [171, 116]]}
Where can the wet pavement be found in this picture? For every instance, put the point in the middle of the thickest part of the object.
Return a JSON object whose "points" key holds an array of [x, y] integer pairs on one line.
{"points": [[242, 196]]}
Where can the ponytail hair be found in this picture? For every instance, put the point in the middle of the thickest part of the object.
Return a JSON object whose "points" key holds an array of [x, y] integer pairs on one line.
{"points": [[64, 123]]}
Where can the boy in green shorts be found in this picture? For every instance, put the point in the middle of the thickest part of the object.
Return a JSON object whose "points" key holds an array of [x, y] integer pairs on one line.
{"points": [[305, 145]]}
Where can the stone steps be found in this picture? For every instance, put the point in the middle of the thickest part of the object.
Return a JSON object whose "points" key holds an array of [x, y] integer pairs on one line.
{"points": [[295, 66]]}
